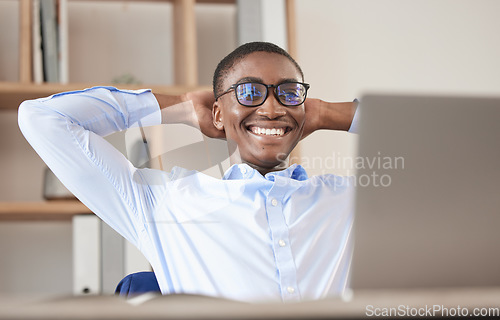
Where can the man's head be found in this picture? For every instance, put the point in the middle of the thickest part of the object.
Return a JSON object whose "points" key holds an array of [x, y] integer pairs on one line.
{"points": [[225, 65], [265, 129]]}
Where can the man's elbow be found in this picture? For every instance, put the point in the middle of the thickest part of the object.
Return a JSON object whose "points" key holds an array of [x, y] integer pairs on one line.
{"points": [[30, 117], [24, 113]]}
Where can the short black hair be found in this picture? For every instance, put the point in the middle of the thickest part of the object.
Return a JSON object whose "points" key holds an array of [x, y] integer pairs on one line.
{"points": [[241, 52]]}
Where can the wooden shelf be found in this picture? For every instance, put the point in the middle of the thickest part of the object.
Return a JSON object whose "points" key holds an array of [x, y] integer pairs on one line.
{"points": [[60, 210], [197, 1], [13, 93]]}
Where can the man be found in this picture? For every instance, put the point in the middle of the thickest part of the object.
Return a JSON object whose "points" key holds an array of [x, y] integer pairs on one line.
{"points": [[264, 232]]}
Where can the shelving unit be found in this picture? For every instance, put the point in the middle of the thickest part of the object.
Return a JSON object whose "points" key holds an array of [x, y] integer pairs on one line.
{"points": [[45, 210], [185, 55], [186, 79]]}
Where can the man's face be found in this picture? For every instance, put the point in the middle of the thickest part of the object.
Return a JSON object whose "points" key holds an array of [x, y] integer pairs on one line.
{"points": [[247, 126]]}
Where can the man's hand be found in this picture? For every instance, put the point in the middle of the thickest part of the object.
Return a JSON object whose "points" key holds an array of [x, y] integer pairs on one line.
{"points": [[192, 108], [313, 117], [203, 102], [327, 115]]}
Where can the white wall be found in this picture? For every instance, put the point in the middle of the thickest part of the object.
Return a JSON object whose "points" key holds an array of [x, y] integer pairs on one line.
{"points": [[348, 48], [445, 46]]}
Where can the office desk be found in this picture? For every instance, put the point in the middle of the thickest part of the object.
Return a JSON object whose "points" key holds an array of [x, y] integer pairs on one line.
{"points": [[198, 307]]}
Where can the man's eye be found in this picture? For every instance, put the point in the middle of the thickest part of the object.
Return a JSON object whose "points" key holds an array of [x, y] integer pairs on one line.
{"points": [[249, 93], [290, 95]]}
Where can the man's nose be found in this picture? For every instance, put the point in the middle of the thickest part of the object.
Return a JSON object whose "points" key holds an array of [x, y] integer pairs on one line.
{"points": [[271, 108]]}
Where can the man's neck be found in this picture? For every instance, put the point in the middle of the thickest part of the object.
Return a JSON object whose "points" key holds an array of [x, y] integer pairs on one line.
{"points": [[263, 171]]}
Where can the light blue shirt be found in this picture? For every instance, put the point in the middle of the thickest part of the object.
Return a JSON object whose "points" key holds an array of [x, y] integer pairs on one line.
{"points": [[283, 236]]}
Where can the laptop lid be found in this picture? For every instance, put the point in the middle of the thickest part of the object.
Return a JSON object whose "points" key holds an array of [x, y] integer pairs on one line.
{"points": [[428, 192]]}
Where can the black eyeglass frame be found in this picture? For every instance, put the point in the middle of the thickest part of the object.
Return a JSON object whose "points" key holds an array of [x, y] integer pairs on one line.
{"points": [[275, 86]]}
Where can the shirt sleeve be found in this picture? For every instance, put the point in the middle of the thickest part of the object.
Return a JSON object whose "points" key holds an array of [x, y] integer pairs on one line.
{"points": [[355, 120], [67, 129]]}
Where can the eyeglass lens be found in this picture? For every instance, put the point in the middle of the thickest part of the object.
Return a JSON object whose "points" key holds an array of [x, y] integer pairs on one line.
{"points": [[253, 94]]}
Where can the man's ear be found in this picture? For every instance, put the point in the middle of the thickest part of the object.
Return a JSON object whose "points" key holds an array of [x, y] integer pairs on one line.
{"points": [[217, 116]]}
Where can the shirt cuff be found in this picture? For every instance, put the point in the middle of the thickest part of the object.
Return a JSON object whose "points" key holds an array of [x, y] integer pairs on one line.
{"points": [[355, 120]]}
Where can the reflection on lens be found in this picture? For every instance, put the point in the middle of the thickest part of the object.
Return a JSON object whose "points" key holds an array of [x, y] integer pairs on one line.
{"points": [[291, 93], [250, 93]]}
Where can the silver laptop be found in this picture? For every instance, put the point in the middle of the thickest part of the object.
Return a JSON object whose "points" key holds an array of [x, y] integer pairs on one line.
{"points": [[428, 193]]}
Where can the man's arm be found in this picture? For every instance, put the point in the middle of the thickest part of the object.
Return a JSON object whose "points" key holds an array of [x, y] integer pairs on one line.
{"points": [[66, 130], [328, 115]]}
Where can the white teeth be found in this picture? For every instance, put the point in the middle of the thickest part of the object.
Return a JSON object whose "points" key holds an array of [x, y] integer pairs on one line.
{"points": [[269, 132]]}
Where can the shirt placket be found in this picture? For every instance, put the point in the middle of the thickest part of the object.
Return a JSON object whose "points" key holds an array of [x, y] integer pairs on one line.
{"points": [[285, 264]]}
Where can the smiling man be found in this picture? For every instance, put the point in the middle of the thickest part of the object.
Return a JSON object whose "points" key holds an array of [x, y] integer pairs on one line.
{"points": [[263, 232], [265, 116]]}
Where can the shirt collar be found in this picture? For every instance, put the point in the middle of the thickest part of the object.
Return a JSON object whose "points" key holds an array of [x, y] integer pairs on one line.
{"points": [[244, 171]]}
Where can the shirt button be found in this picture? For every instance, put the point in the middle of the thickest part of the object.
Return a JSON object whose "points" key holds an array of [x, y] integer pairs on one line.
{"points": [[243, 170], [290, 290], [274, 202], [282, 243]]}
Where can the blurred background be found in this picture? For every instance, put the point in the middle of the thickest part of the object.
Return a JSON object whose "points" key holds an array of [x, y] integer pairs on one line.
{"points": [[346, 49]]}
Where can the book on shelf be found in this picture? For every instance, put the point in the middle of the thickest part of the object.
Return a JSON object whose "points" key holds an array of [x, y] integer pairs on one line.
{"points": [[37, 43], [63, 41], [50, 41]]}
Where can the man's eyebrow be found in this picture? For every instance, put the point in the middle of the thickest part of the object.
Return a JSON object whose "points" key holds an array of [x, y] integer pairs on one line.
{"points": [[250, 79], [255, 79], [288, 80]]}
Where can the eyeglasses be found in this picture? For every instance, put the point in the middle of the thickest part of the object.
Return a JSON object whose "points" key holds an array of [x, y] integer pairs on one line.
{"points": [[254, 94]]}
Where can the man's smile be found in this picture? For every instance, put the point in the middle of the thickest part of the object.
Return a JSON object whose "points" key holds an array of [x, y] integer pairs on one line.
{"points": [[272, 130]]}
